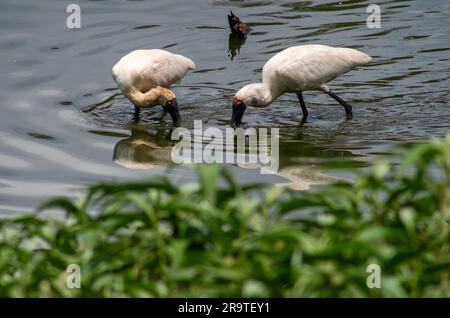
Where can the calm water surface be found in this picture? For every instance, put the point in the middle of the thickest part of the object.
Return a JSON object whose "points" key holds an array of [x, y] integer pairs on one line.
{"points": [[64, 125]]}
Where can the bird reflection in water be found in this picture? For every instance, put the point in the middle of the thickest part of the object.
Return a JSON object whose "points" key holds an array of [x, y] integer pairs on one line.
{"points": [[143, 150]]}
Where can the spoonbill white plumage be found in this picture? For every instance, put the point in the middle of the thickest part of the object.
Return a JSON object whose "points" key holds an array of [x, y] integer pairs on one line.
{"points": [[295, 70], [145, 76]]}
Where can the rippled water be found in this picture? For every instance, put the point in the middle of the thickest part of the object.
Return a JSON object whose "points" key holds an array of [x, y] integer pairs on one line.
{"points": [[64, 125]]}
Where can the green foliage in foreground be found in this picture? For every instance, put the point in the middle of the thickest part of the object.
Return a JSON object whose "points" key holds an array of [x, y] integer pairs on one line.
{"points": [[217, 238]]}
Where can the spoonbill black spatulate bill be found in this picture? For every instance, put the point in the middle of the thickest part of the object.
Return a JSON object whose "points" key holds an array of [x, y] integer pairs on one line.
{"points": [[145, 76], [295, 70]]}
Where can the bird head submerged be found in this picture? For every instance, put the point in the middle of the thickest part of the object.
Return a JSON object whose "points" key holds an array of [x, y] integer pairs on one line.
{"points": [[171, 107], [164, 97], [256, 95], [238, 112]]}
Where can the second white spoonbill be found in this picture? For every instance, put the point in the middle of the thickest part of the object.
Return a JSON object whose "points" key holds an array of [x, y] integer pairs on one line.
{"points": [[295, 70], [145, 76]]}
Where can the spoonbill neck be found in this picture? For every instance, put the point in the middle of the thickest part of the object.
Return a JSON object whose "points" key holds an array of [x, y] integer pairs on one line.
{"points": [[155, 96], [258, 94], [270, 92]]}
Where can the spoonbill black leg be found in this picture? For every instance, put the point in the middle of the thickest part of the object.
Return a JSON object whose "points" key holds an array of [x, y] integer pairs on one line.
{"points": [[347, 106], [137, 112], [302, 104]]}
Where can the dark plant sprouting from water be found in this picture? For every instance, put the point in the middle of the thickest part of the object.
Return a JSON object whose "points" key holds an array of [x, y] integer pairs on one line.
{"points": [[217, 238]]}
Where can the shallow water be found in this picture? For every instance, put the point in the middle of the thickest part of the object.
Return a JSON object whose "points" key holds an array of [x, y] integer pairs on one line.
{"points": [[64, 124]]}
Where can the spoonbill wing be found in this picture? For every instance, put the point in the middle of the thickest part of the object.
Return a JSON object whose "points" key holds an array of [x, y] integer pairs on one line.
{"points": [[310, 66], [146, 69]]}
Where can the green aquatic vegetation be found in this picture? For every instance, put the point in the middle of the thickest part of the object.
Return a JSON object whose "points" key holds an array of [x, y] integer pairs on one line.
{"points": [[220, 238]]}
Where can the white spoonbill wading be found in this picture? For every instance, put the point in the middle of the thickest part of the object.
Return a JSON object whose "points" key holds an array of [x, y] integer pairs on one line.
{"points": [[295, 70], [145, 76]]}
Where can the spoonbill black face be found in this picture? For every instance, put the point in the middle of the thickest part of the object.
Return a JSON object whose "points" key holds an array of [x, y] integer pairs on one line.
{"points": [[171, 107], [238, 112]]}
